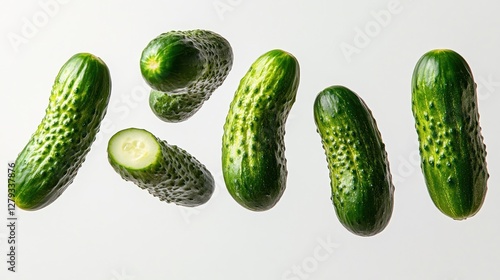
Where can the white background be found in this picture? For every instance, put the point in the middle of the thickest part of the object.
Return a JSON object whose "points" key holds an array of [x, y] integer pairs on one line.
{"points": [[105, 228]]}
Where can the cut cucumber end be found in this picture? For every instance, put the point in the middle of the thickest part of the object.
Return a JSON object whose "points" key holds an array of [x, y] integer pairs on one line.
{"points": [[134, 148]]}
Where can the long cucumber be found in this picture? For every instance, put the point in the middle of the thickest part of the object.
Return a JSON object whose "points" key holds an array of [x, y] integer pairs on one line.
{"points": [[49, 162], [453, 154], [360, 177], [253, 148]]}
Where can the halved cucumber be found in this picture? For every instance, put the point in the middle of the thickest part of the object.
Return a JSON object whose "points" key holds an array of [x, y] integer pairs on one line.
{"points": [[166, 171]]}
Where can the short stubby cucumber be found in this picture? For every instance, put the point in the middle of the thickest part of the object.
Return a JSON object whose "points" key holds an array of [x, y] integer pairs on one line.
{"points": [[183, 69], [453, 154], [165, 171], [49, 162], [360, 178], [253, 150]]}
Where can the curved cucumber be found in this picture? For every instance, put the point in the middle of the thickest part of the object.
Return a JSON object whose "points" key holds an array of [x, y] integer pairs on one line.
{"points": [[253, 150], [184, 68], [166, 171], [453, 155], [49, 162], [360, 179]]}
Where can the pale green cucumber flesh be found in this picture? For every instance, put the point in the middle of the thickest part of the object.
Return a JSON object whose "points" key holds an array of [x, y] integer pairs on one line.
{"points": [[134, 149]]}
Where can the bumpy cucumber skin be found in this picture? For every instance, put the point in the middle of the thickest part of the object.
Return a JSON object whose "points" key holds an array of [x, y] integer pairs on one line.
{"points": [[453, 154], [175, 177], [253, 150], [49, 162], [175, 108], [360, 178], [184, 68]]}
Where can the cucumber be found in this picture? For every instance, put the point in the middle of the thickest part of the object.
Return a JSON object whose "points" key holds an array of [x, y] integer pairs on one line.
{"points": [[165, 171], [50, 160], [253, 150], [452, 151], [183, 69], [360, 178]]}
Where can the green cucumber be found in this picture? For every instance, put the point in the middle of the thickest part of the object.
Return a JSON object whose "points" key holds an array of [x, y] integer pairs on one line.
{"points": [[360, 178], [253, 150], [183, 69], [50, 160], [453, 154], [165, 171]]}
